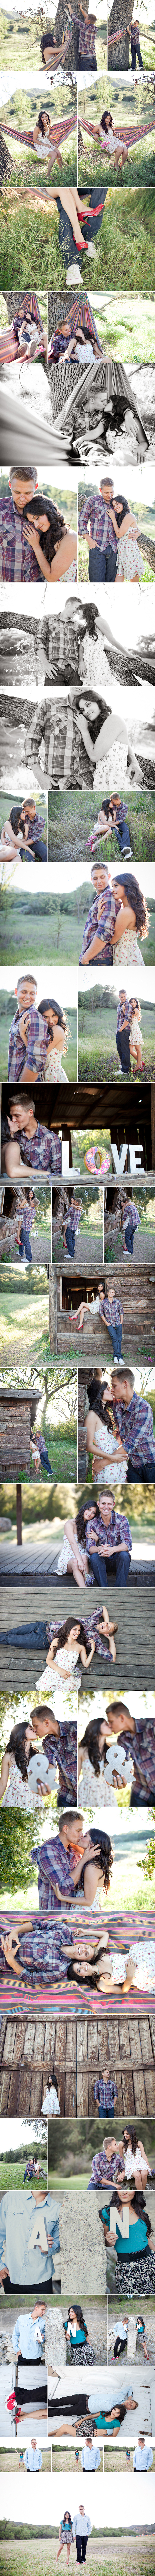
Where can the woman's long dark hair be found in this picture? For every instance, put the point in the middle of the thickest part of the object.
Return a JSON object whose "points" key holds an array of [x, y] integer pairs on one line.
{"points": [[137, 901], [15, 819], [64, 1633], [66, 2517], [132, 2135], [53, 1006], [103, 710], [103, 119], [40, 119], [138, 2203], [124, 513], [105, 1855], [49, 536], [91, 1740], [80, 2318], [47, 39], [17, 1746]]}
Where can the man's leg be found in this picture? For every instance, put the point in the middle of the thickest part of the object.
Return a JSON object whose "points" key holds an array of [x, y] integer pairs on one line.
{"points": [[97, 564], [111, 561], [98, 1568], [122, 1569], [26, 1243], [115, 1332], [133, 58], [69, 1244], [129, 1238], [139, 55], [84, 2547], [78, 2548]]}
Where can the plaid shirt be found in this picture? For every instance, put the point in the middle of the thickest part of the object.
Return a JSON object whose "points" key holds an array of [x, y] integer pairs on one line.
{"points": [[100, 523], [37, 1040], [72, 1217], [36, 828], [135, 1423], [42, 1149], [118, 1528], [109, 910], [64, 645], [130, 1215], [103, 2171], [17, 561], [142, 1747], [58, 745], [104, 2093], [123, 1015], [63, 1750], [112, 1309], [55, 1870]]}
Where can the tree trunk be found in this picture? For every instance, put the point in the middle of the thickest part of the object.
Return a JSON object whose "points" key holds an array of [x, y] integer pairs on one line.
{"points": [[118, 55], [5, 175], [52, 1309]]}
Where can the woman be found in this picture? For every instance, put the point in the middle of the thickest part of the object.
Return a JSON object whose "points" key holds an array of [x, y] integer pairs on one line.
{"points": [[111, 818], [58, 554], [26, 337], [135, 1034], [141, 2331], [67, 1645], [135, 2159], [77, 2338], [15, 1787], [54, 734], [109, 2419], [130, 565], [111, 141], [73, 1558], [102, 1766], [75, 337], [103, 1443], [57, 1029], [132, 921], [65, 2536], [40, 138], [127, 2220]]}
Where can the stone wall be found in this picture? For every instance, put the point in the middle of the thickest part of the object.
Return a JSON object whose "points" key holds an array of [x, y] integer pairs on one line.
{"points": [[82, 2246]]}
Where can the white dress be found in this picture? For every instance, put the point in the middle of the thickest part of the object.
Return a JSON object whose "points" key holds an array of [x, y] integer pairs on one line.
{"points": [[19, 1793], [109, 141], [127, 953], [130, 560], [142, 1953], [134, 2164], [105, 1441], [50, 2103], [136, 1032], [53, 1069], [64, 1664], [102, 1789], [65, 1558]]}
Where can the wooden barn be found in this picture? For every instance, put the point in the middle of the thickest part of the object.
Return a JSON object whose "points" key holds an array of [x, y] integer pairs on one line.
{"points": [[76, 2050]]}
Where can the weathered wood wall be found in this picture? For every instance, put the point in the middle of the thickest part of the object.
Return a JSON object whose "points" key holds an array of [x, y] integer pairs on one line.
{"points": [[77, 2050]]}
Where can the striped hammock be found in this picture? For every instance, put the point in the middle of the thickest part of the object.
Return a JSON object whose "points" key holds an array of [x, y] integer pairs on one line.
{"points": [[79, 317], [66, 126], [130, 134], [29, 312]]}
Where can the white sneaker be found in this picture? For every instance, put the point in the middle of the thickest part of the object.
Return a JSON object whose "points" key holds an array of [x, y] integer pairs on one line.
{"points": [[73, 275], [91, 250]]}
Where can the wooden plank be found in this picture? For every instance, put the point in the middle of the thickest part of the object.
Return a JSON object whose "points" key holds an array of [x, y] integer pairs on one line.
{"points": [[135, 2039], [29, 2038], [9, 2041], [145, 2041], [69, 2094], [82, 2042], [20, 2092], [50, 2032], [127, 2091], [140, 2104], [60, 2043], [152, 2030], [82, 2094], [2, 2035], [92, 2041], [150, 2090], [4, 2092], [35, 2095], [103, 2049], [71, 2043], [62, 2080], [38, 2040]]}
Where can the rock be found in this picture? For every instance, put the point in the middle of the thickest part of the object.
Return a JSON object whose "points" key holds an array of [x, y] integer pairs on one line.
{"points": [[82, 2246], [55, 2339]]}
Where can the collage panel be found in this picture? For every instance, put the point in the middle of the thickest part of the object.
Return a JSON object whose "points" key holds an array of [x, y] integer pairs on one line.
{"points": [[77, 1201]]}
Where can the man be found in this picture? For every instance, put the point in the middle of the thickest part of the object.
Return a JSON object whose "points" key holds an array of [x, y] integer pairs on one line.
{"points": [[60, 1743], [90, 2457], [107, 2165], [32, 2457], [138, 1737], [113, 1317], [30, 814], [130, 1222], [108, 1541], [122, 1031], [17, 560], [105, 2093], [102, 542], [28, 2336], [143, 2455], [134, 1418], [133, 32], [71, 1227], [100, 924], [37, 1145], [26, 1210], [28, 1035], [39, 1452], [80, 2530]]}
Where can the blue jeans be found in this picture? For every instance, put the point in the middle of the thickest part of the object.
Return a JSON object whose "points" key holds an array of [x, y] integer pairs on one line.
{"points": [[115, 1331], [122, 1566], [129, 1238], [102, 567], [24, 1245], [70, 1242]]}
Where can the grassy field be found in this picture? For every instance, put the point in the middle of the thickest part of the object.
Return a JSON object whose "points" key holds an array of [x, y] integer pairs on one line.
{"points": [[131, 2556], [7, 1000], [56, 925], [97, 1053], [124, 248], [68, 835], [12, 2176]]}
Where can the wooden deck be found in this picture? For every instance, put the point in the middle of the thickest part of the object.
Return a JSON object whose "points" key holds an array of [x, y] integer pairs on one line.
{"points": [[135, 1640], [78, 2050]]}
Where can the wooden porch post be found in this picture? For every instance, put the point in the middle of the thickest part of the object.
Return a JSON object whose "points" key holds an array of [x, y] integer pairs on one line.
{"points": [[52, 1309], [19, 1515]]}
